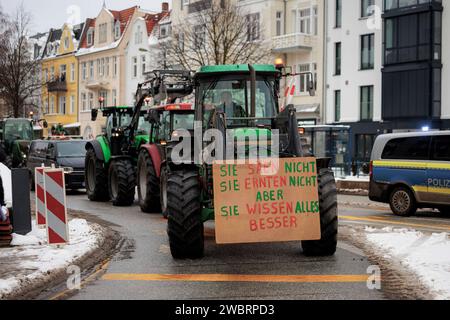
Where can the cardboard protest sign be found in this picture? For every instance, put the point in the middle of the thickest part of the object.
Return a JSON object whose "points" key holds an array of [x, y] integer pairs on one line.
{"points": [[272, 201]]}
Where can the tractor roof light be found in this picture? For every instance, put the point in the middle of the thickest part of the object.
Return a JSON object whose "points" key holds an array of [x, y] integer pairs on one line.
{"points": [[279, 63]]}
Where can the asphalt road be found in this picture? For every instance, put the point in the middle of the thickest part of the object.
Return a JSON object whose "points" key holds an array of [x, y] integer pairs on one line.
{"points": [[144, 268]]}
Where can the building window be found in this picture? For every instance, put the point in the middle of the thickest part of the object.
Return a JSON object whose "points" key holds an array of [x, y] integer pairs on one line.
{"points": [[279, 23], [104, 94], [45, 75], [62, 72], [253, 27], [91, 101], [72, 72], [304, 79], [107, 66], [90, 37], [117, 30], [52, 105], [115, 67], [103, 33], [83, 102], [143, 64], [52, 74], [367, 51], [134, 66], [366, 102], [62, 105], [364, 146], [337, 60], [66, 43], [337, 105], [91, 70], [46, 111], [200, 34], [72, 104], [138, 35], [304, 22], [83, 71], [114, 97], [184, 3], [164, 31], [366, 8], [338, 22]]}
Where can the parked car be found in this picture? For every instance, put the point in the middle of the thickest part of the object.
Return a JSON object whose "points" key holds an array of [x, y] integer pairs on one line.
{"points": [[411, 171], [67, 154]]}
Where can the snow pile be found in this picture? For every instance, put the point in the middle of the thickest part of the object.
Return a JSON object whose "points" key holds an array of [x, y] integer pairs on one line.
{"points": [[31, 259], [428, 256]]}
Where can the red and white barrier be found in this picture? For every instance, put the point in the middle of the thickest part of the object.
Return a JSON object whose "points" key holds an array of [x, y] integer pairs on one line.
{"points": [[55, 207], [40, 197]]}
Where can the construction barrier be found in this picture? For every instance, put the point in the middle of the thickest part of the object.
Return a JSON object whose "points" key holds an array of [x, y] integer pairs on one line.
{"points": [[55, 207], [40, 197]]}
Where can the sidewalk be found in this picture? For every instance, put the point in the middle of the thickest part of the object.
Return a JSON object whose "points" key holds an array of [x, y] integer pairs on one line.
{"points": [[30, 266]]}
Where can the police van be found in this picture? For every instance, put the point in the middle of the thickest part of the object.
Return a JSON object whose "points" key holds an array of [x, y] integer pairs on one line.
{"points": [[411, 171]]}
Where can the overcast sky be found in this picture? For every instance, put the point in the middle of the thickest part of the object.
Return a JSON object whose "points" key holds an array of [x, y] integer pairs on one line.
{"points": [[54, 13]]}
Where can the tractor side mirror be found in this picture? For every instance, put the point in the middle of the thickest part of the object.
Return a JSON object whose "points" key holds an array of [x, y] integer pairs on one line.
{"points": [[94, 114], [153, 117], [45, 124]]}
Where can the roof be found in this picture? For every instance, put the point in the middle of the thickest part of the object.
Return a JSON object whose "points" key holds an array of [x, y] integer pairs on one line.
{"points": [[123, 16], [237, 68], [90, 23]]}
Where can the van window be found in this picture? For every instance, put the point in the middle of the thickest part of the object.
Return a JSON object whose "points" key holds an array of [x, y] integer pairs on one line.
{"points": [[415, 148], [441, 148]]}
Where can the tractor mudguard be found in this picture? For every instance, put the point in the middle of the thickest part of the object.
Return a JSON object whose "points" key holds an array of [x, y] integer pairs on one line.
{"points": [[95, 144], [323, 163], [155, 156]]}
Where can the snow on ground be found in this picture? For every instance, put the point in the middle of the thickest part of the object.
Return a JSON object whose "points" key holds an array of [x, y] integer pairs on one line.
{"points": [[31, 260], [355, 179], [426, 255]]}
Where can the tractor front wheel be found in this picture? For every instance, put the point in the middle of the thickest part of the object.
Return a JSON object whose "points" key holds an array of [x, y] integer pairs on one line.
{"points": [[96, 179], [327, 245], [164, 202], [185, 225], [148, 184], [122, 183]]}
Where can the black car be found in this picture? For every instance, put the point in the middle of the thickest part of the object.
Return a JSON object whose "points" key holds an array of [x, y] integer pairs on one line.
{"points": [[68, 154]]}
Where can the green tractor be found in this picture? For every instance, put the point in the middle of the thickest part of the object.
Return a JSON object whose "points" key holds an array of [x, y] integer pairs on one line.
{"points": [[16, 136], [253, 104], [110, 166], [111, 159]]}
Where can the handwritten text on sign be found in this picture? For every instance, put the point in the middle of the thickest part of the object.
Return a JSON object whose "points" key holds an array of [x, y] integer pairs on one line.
{"points": [[267, 202]]}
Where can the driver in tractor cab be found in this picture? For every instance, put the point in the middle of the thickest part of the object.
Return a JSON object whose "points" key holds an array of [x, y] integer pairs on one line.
{"points": [[231, 108]]}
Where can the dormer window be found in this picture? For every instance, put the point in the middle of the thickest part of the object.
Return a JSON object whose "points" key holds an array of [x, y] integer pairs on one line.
{"points": [[117, 30], [90, 37], [138, 35], [66, 43]]}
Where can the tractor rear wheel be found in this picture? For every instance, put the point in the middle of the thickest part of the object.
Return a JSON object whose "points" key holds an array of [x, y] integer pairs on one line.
{"points": [[95, 178], [326, 246], [148, 184], [185, 225], [122, 182]]}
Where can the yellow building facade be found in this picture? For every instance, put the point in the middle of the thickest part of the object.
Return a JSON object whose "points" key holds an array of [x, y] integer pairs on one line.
{"points": [[60, 80]]}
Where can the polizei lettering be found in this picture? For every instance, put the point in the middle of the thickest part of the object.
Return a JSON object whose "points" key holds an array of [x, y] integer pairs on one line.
{"points": [[439, 183]]}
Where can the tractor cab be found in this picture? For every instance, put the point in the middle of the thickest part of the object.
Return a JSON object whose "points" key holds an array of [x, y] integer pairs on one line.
{"points": [[16, 136]]}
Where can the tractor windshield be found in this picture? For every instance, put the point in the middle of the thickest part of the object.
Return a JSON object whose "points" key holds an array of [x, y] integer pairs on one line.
{"points": [[232, 97], [18, 130]]}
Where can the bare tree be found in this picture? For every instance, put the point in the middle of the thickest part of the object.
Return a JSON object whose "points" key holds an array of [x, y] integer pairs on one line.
{"points": [[219, 33], [18, 68]]}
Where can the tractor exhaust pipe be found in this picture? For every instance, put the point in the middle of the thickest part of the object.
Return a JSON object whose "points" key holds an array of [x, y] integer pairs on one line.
{"points": [[252, 91]]}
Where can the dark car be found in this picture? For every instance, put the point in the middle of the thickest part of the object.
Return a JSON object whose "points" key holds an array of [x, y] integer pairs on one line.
{"points": [[68, 154]]}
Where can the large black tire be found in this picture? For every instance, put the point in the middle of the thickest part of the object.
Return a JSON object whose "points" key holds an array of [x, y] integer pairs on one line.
{"points": [[122, 182], [327, 245], [32, 182], [148, 184], [402, 202], [185, 225], [444, 210], [96, 178], [163, 188]]}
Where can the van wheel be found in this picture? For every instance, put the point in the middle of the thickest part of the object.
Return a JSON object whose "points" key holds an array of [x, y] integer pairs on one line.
{"points": [[403, 202], [444, 210]]}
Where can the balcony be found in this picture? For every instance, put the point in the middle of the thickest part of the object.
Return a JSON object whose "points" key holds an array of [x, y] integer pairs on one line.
{"points": [[58, 85], [97, 85], [293, 42]]}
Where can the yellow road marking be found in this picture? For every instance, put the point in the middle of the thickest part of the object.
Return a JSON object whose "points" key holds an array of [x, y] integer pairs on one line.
{"points": [[90, 278], [407, 224], [235, 278]]}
